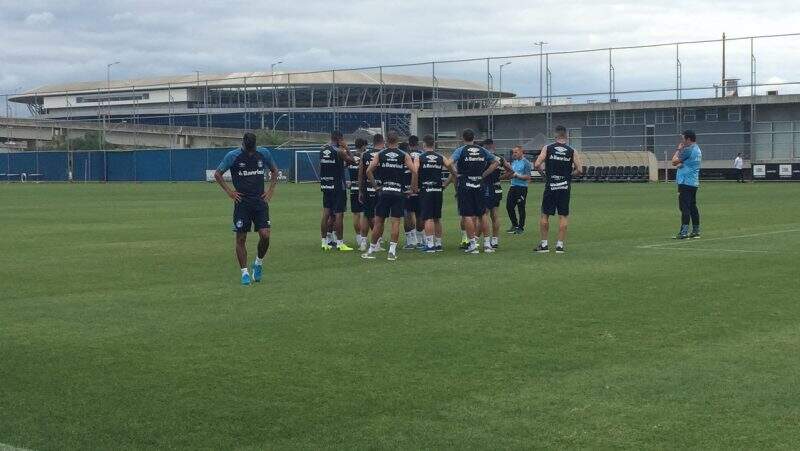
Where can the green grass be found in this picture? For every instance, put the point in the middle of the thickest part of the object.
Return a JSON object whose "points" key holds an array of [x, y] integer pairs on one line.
{"points": [[122, 326]]}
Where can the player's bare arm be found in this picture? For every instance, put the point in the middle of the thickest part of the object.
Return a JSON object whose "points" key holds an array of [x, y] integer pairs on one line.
{"points": [[413, 166], [492, 167], [539, 165], [371, 172], [577, 164], [233, 194], [361, 170], [448, 163]]}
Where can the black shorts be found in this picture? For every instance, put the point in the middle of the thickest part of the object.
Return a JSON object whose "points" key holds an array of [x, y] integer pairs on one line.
{"points": [[250, 214], [555, 202], [493, 197], [355, 205], [471, 202], [335, 200], [389, 206], [370, 199], [412, 204], [430, 205]]}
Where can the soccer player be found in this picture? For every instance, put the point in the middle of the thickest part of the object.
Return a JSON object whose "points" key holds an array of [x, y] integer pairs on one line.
{"points": [[472, 164], [368, 194], [251, 203], [687, 159], [738, 164], [557, 161], [390, 165], [494, 194], [520, 175], [332, 158], [412, 224], [429, 166], [356, 206]]}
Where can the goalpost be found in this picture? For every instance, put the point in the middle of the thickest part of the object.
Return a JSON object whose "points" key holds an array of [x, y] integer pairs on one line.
{"points": [[306, 166]]}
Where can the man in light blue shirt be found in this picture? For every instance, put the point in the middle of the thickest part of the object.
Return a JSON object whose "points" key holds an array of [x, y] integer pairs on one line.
{"points": [[687, 159], [518, 192]]}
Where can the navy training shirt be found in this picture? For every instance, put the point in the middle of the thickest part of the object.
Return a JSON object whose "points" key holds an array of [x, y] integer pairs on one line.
{"points": [[247, 170]]}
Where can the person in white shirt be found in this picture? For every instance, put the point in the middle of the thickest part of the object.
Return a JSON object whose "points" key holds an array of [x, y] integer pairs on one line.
{"points": [[738, 164]]}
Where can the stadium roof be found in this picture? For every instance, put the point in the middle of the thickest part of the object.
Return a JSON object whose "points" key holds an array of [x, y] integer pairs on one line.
{"points": [[237, 79]]}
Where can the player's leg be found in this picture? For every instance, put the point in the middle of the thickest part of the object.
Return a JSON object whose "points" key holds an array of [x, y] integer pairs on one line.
{"points": [[262, 226], [394, 236], [486, 230], [340, 207], [511, 209], [437, 228], [563, 222], [522, 197], [683, 205], [495, 217], [694, 213], [409, 227], [324, 228], [464, 236], [241, 256]]}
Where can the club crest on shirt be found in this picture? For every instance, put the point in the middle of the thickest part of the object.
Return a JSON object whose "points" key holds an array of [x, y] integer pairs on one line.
{"points": [[432, 158], [560, 150], [326, 153], [392, 155], [242, 164]]}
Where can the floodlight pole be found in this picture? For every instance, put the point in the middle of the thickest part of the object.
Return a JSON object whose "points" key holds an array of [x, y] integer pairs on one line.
{"points": [[108, 101], [541, 45], [500, 88], [272, 88]]}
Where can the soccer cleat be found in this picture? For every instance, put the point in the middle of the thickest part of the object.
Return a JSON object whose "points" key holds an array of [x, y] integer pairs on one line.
{"points": [[472, 250], [421, 246], [438, 248], [409, 247], [391, 257], [326, 247], [488, 249], [464, 244], [694, 235], [257, 273], [368, 255], [363, 246], [541, 249], [680, 236], [560, 249], [519, 231], [496, 246], [344, 247], [430, 250], [245, 279], [512, 231]]}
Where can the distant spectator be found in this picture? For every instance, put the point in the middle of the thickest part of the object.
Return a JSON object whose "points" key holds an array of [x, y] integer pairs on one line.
{"points": [[738, 164]]}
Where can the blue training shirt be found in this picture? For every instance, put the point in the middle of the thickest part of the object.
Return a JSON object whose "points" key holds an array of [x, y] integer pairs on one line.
{"points": [[247, 171], [457, 154], [689, 173], [522, 167]]}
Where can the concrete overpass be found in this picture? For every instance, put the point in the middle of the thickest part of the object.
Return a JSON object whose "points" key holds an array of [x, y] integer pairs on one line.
{"points": [[33, 131]]}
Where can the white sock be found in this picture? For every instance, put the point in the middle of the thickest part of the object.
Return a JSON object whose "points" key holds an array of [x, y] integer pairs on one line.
{"points": [[328, 236], [559, 244], [473, 242], [495, 241], [325, 241], [333, 236], [393, 247], [429, 241], [438, 241], [543, 243], [244, 271], [487, 241], [259, 261], [411, 238], [420, 237], [359, 239]]}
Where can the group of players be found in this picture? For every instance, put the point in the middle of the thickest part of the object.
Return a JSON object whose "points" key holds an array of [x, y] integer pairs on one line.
{"points": [[394, 180]]}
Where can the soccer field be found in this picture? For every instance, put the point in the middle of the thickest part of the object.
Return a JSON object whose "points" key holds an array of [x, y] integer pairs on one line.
{"points": [[123, 326]]}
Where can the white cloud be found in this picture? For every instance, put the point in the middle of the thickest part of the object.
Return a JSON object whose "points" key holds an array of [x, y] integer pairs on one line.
{"points": [[40, 19]]}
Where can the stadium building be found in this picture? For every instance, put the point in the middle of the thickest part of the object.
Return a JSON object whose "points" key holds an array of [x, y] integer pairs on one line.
{"points": [[312, 102]]}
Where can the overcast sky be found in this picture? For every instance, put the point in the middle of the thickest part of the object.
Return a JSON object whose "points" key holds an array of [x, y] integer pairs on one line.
{"points": [[43, 42]]}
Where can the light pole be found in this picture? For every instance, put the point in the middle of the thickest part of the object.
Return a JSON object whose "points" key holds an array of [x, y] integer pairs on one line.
{"points": [[541, 45], [108, 100], [275, 123], [500, 89], [197, 102], [272, 88]]}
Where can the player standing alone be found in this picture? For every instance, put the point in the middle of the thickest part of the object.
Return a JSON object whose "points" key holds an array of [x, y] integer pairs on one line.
{"points": [[429, 168], [558, 161], [332, 158], [390, 165], [687, 159], [248, 165]]}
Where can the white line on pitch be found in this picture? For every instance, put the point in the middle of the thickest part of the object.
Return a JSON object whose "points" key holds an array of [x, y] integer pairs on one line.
{"points": [[4, 447], [650, 246], [692, 248]]}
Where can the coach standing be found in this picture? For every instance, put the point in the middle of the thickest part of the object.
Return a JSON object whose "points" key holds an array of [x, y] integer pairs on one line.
{"points": [[738, 164], [687, 159], [518, 192]]}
